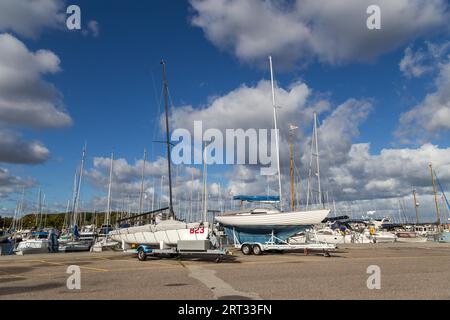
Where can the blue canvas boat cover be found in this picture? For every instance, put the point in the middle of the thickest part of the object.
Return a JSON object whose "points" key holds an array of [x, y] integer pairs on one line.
{"points": [[257, 198]]}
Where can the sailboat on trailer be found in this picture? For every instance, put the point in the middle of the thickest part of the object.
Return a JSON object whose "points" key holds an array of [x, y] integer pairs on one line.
{"points": [[164, 229], [263, 225]]}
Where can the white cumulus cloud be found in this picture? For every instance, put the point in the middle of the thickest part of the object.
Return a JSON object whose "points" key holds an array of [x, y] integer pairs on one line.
{"points": [[29, 17], [331, 31]]}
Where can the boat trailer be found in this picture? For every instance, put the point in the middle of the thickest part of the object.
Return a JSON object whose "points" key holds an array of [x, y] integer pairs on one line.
{"points": [[276, 244], [183, 248]]}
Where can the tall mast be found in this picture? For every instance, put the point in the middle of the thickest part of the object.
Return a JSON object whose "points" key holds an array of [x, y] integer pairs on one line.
{"points": [[334, 207], [275, 120], [169, 160], [220, 198], [39, 207], [142, 183], [71, 221], [153, 195], [13, 223], [77, 199], [66, 216], [317, 158], [314, 154], [416, 206], [161, 192], [291, 164], [108, 210], [20, 209], [438, 213], [192, 195], [205, 188], [45, 219]]}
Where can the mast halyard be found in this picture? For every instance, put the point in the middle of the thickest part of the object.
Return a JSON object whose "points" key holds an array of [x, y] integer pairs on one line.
{"points": [[275, 120], [169, 160]]}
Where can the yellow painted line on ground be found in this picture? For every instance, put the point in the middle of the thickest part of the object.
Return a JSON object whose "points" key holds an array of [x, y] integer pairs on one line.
{"points": [[81, 267], [11, 275], [144, 268], [62, 275]]}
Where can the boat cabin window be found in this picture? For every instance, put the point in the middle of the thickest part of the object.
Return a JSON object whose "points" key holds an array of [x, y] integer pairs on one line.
{"points": [[259, 211]]}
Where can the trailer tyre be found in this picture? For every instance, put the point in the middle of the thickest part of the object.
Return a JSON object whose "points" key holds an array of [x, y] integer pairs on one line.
{"points": [[246, 249], [257, 250], [141, 254]]}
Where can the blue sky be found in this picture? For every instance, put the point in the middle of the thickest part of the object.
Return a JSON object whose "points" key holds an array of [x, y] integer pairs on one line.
{"points": [[111, 85]]}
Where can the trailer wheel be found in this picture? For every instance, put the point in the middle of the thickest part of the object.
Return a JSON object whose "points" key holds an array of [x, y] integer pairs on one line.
{"points": [[257, 250], [246, 249], [141, 254]]}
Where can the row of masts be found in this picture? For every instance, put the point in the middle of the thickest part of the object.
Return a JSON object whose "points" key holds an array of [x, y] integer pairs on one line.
{"points": [[189, 210], [314, 155]]}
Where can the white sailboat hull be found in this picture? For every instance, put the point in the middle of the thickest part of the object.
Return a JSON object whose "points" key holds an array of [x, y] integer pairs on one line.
{"points": [[275, 219], [154, 235]]}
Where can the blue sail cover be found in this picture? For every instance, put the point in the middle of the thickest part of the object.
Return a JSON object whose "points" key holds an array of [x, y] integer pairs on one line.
{"points": [[263, 235], [257, 198]]}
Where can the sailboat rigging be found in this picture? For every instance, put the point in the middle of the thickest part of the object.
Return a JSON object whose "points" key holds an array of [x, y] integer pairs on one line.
{"points": [[261, 224], [169, 160], [163, 229]]}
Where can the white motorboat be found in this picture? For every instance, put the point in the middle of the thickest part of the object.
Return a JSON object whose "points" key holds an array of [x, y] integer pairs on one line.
{"points": [[331, 236], [407, 236], [431, 232], [75, 246], [37, 243], [383, 237]]}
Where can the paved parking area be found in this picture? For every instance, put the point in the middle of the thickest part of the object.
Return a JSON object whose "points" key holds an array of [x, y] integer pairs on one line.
{"points": [[407, 272]]}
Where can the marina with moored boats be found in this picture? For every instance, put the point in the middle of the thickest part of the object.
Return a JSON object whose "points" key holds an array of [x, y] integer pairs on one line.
{"points": [[262, 225]]}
